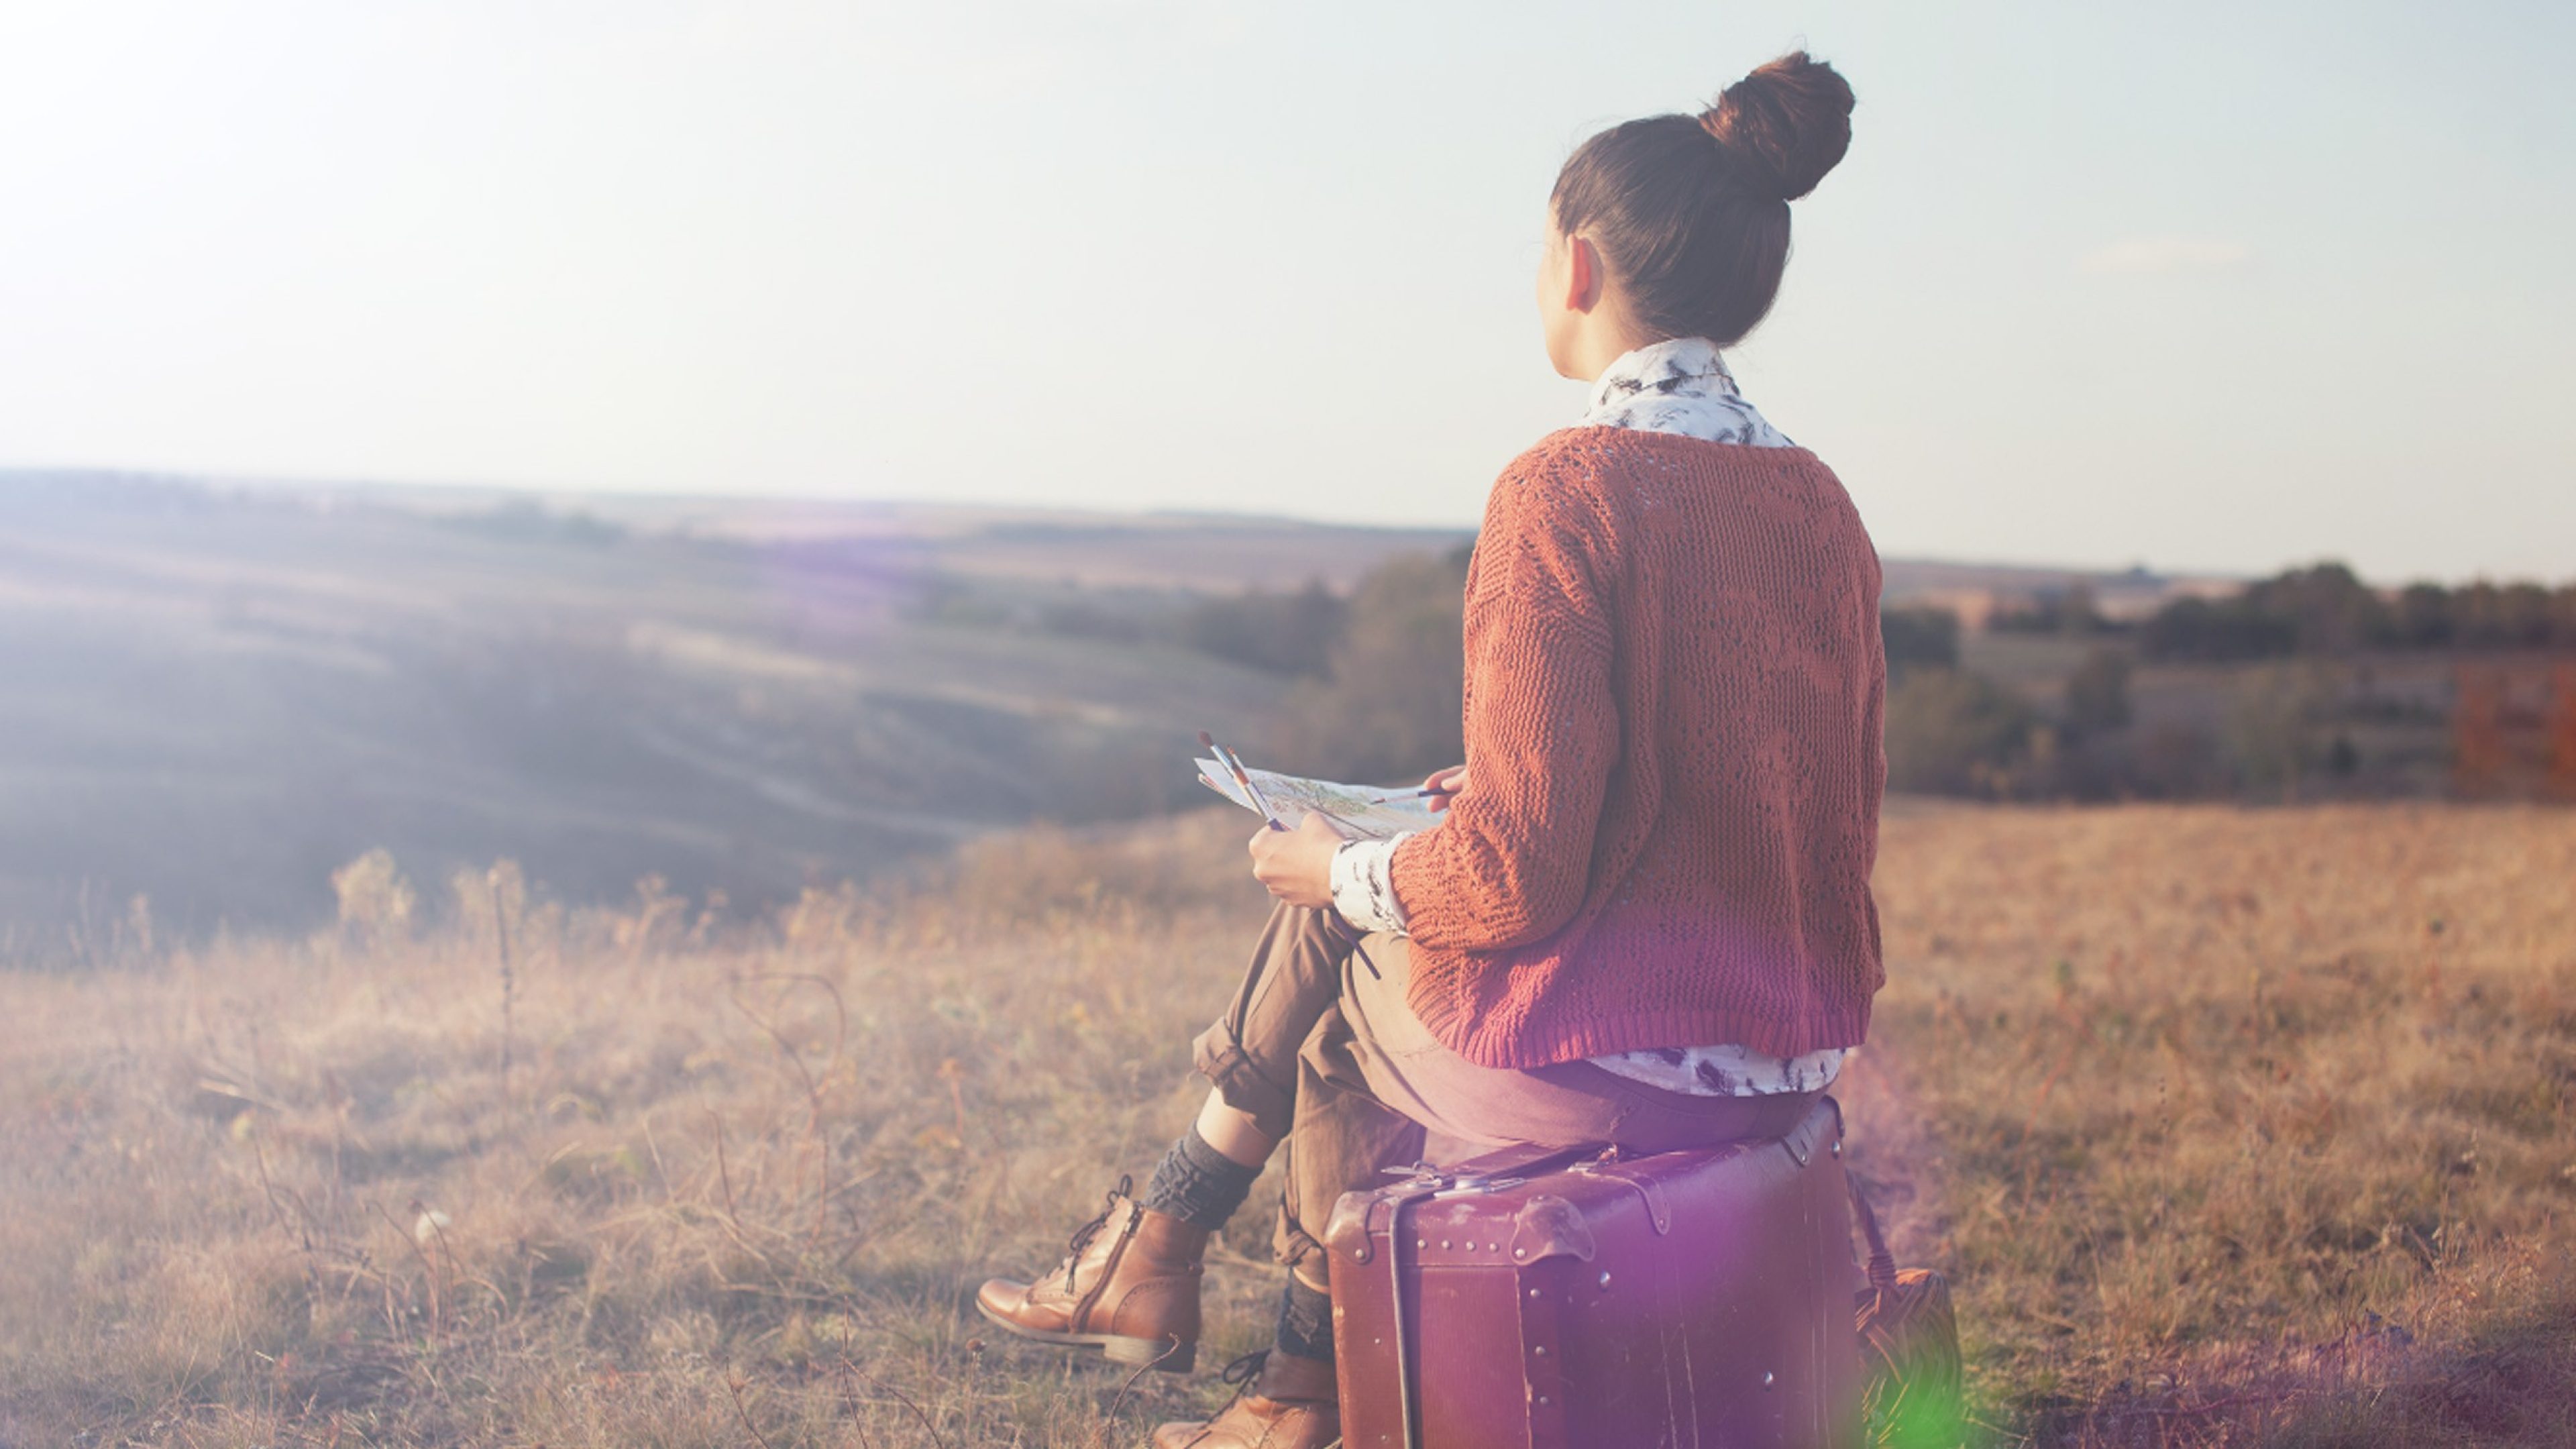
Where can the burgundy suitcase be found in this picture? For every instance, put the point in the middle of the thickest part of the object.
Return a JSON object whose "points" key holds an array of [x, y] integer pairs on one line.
{"points": [[1699, 1298]]}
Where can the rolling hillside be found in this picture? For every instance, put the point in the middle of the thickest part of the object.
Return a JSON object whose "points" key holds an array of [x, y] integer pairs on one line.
{"points": [[219, 693]]}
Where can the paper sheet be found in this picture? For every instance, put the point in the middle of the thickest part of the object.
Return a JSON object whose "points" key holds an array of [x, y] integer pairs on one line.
{"points": [[1359, 812]]}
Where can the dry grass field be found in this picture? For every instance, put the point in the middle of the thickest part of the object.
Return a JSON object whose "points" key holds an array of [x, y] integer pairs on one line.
{"points": [[2231, 1128]]}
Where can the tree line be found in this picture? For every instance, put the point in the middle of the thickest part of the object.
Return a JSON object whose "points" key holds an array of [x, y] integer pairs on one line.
{"points": [[2321, 610], [1377, 689]]}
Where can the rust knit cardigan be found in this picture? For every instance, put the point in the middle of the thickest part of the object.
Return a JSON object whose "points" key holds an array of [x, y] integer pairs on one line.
{"points": [[1673, 696]]}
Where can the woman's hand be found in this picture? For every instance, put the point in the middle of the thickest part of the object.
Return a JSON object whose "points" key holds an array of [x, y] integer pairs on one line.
{"points": [[1297, 865], [1444, 783]]}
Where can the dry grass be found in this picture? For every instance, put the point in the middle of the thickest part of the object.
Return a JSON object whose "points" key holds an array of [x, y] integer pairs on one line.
{"points": [[2240, 1127], [2231, 1127]]}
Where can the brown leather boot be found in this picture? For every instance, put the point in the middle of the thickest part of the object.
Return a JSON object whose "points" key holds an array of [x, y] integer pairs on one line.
{"points": [[1284, 1402], [1130, 1288]]}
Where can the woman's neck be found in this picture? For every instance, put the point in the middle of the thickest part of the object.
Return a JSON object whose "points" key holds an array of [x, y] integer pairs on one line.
{"points": [[1593, 349]]}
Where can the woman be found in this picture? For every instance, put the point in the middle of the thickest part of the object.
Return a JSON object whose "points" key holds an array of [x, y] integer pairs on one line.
{"points": [[1646, 919]]}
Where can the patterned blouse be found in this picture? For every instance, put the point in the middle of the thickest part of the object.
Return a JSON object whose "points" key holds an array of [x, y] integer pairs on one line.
{"points": [[1681, 386]]}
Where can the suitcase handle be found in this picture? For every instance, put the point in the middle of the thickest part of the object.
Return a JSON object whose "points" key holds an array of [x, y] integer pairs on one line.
{"points": [[1659, 1213]]}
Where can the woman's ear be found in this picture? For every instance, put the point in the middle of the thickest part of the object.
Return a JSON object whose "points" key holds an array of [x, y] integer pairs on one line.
{"points": [[1583, 275]]}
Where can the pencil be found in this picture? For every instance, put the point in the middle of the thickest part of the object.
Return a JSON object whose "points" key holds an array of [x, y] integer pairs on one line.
{"points": [[1245, 777], [1242, 777]]}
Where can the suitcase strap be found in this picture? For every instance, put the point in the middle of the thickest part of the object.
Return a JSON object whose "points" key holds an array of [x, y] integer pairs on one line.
{"points": [[1425, 1183], [1882, 1263]]}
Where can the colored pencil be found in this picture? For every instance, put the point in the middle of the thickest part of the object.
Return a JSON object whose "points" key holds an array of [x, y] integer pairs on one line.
{"points": [[1242, 778]]}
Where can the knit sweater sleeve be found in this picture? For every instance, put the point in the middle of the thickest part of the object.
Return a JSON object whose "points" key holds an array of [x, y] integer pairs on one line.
{"points": [[1513, 861]]}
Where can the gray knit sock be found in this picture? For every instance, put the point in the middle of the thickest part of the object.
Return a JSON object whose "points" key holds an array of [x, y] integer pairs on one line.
{"points": [[1198, 1184]]}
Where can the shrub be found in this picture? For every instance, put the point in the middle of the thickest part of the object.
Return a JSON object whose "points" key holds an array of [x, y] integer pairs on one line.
{"points": [[2273, 727], [1283, 633], [1390, 707], [2512, 616], [2480, 753], [2328, 609], [2097, 693], [1953, 732], [2217, 629], [2561, 730], [1919, 637]]}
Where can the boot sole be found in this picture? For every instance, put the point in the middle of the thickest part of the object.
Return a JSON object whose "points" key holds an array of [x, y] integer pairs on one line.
{"points": [[1158, 1354]]}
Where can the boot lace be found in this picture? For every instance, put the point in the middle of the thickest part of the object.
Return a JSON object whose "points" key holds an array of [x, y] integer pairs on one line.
{"points": [[1083, 1235], [1245, 1374]]}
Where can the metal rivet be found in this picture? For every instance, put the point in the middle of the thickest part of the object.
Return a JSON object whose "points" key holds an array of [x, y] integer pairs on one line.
{"points": [[1768, 1379], [1444, 1242], [1422, 1242], [1533, 1293], [1838, 1149], [1520, 1252], [1542, 1398], [1540, 1351], [1492, 1247], [1605, 1280]]}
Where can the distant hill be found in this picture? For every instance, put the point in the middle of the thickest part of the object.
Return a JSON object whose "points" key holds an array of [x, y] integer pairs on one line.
{"points": [[218, 695], [220, 692], [1213, 551]]}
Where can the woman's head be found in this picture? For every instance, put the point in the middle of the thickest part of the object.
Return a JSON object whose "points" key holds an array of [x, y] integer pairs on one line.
{"points": [[1678, 226]]}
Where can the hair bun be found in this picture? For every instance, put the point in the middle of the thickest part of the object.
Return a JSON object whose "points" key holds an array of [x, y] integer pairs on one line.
{"points": [[1786, 124]]}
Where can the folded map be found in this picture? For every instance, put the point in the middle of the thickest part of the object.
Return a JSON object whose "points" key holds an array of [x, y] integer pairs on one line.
{"points": [[1359, 812]]}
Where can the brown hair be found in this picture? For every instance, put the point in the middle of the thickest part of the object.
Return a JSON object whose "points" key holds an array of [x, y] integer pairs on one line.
{"points": [[1692, 212]]}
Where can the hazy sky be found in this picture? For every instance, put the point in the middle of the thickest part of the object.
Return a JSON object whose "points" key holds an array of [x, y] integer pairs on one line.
{"points": [[2195, 284]]}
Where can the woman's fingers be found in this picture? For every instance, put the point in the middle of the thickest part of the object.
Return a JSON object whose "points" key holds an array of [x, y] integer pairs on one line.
{"points": [[1264, 847], [1297, 865]]}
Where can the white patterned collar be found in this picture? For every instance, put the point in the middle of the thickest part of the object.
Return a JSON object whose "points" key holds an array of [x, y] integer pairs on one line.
{"points": [[1679, 385]]}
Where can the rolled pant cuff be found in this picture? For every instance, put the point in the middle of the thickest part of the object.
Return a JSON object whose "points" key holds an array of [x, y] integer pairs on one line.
{"points": [[1240, 1081], [1295, 1248]]}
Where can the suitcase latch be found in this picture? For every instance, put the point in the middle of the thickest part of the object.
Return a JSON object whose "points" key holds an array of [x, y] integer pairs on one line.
{"points": [[1658, 1211], [1802, 1139], [1550, 1227], [1349, 1229]]}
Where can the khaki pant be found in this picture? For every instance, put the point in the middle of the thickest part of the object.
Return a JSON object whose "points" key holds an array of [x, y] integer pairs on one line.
{"points": [[1322, 1050]]}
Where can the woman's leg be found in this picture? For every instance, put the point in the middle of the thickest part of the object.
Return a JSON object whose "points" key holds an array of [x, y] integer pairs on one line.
{"points": [[1251, 1055], [1232, 1132], [1340, 1138], [1250, 1052], [1131, 1284]]}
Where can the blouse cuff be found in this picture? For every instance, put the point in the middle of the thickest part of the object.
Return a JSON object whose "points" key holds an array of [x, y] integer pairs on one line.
{"points": [[1364, 884]]}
